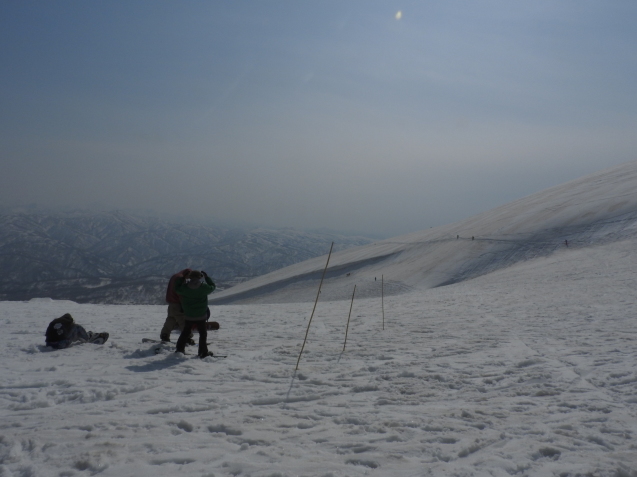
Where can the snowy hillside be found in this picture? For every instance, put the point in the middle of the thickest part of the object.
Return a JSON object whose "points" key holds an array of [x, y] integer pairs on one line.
{"points": [[527, 371], [597, 209]]}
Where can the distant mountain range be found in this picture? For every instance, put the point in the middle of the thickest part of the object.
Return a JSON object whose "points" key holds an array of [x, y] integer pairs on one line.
{"points": [[118, 258]]}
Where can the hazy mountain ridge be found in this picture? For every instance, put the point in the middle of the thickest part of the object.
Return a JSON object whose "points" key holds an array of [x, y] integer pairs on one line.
{"points": [[594, 210], [115, 257]]}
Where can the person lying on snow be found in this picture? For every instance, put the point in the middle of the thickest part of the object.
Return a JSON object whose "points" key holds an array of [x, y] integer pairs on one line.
{"points": [[194, 292], [63, 331]]}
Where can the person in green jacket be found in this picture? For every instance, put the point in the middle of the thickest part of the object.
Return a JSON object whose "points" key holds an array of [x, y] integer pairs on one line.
{"points": [[193, 289]]}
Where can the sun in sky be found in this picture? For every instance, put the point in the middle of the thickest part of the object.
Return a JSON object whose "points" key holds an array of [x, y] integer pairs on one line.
{"points": [[399, 15]]}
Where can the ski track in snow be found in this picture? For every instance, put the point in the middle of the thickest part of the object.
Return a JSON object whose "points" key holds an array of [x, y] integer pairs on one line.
{"points": [[530, 371]]}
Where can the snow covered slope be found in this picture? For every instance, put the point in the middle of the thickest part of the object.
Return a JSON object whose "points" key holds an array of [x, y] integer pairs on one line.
{"points": [[596, 209], [527, 371]]}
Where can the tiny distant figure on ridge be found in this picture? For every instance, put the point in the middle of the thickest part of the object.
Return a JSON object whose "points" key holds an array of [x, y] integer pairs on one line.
{"points": [[193, 289], [63, 331], [176, 319], [472, 237], [566, 242], [457, 237]]}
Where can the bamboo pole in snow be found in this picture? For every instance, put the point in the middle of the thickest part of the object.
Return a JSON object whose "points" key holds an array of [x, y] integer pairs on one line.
{"points": [[382, 298], [348, 317], [313, 309]]}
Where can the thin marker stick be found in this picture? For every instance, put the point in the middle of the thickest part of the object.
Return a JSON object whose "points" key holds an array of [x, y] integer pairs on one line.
{"points": [[313, 309], [348, 317], [382, 298]]}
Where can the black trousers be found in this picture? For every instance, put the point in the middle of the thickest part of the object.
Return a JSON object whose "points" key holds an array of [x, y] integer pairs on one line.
{"points": [[185, 336]]}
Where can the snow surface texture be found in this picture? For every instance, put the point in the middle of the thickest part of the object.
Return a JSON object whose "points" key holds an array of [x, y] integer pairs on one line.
{"points": [[529, 370]]}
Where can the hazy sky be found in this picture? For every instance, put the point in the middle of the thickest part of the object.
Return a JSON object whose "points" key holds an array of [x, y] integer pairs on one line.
{"points": [[340, 114]]}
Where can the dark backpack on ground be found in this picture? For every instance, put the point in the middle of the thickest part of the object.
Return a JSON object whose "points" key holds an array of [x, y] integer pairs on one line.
{"points": [[59, 328]]}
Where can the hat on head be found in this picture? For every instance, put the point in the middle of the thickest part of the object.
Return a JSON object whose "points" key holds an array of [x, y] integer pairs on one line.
{"points": [[194, 279]]}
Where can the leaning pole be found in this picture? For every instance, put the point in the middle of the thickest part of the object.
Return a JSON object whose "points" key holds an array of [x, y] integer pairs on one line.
{"points": [[348, 317], [313, 309], [382, 298]]}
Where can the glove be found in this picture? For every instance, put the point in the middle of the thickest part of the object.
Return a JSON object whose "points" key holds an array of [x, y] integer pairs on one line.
{"points": [[204, 274]]}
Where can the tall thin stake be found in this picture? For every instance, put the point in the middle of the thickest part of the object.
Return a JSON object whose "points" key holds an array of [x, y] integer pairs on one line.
{"points": [[382, 298], [348, 317], [313, 309]]}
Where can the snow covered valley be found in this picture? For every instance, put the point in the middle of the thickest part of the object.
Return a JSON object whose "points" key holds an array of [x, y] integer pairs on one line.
{"points": [[528, 370]]}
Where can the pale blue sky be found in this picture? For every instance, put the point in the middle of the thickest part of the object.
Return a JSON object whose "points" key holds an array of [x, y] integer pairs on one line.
{"points": [[308, 114]]}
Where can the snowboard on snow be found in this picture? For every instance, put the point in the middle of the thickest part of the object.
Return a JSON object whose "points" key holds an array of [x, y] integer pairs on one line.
{"points": [[159, 345], [210, 326], [97, 338]]}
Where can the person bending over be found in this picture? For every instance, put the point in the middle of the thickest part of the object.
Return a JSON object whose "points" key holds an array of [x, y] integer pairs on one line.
{"points": [[175, 317]]}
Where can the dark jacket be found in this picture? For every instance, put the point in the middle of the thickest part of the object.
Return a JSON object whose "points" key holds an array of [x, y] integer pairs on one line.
{"points": [[60, 329], [194, 301]]}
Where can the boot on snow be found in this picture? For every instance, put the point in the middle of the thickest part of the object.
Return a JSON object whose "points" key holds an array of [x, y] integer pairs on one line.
{"points": [[97, 338]]}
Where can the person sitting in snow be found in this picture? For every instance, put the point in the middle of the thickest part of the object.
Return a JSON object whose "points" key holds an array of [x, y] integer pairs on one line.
{"points": [[193, 289], [63, 331], [176, 317]]}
